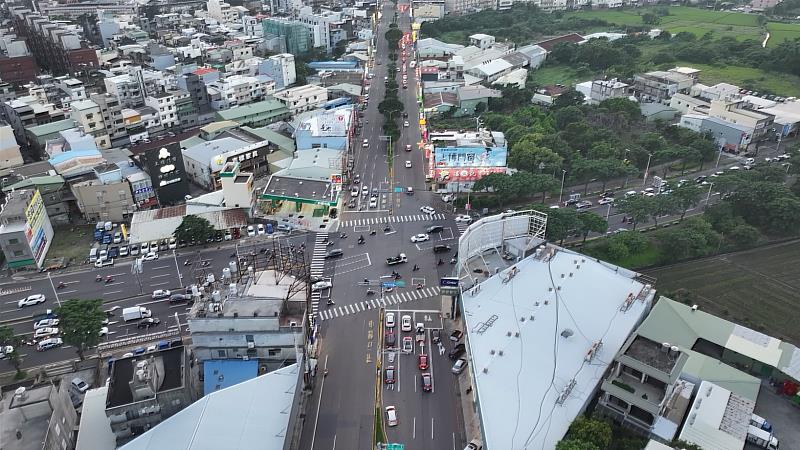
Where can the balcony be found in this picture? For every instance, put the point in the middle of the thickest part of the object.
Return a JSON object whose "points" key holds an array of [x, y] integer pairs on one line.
{"points": [[629, 388]]}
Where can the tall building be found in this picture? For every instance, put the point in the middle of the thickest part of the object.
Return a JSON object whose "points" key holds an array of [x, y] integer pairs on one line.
{"points": [[280, 68], [294, 36], [9, 149], [17, 64], [25, 229], [327, 27], [89, 118]]}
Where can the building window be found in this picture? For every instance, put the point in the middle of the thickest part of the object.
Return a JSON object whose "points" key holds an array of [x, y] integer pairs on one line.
{"points": [[18, 252], [221, 354], [274, 352], [13, 241]]}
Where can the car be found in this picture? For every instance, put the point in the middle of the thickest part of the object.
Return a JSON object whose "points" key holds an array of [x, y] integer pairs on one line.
{"points": [[405, 115], [335, 253], [391, 339], [408, 344], [405, 123], [365, 144], [364, 190], [357, 179], [6, 350], [320, 285], [113, 252], [284, 227], [134, 250], [455, 336], [45, 332], [474, 444], [104, 262], [260, 229], [354, 192], [79, 386], [571, 201], [410, 190], [422, 361], [427, 210], [584, 204], [178, 298], [251, 231], [45, 323], [605, 201], [390, 320], [405, 86], [408, 164], [408, 147], [373, 203], [31, 300], [422, 237], [391, 416], [389, 375], [441, 248], [144, 247], [750, 161], [148, 322], [117, 237], [123, 251], [700, 179], [457, 351], [463, 218], [405, 323], [47, 344], [459, 366], [164, 245], [150, 256], [427, 383], [734, 168], [161, 293], [103, 331], [436, 335]]}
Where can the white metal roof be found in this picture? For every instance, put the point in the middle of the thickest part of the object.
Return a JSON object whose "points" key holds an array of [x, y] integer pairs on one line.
{"points": [[718, 419], [520, 361], [249, 415]]}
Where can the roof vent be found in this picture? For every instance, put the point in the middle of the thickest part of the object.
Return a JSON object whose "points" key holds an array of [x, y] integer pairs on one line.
{"points": [[665, 347], [500, 353], [491, 352], [485, 370], [562, 275], [570, 274], [531, 317], [522, 319], [694, 308], [577, 267], [550, 289], [567, 333], [508, 333]]}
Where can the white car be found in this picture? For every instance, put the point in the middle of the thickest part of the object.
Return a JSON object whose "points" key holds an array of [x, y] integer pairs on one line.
{"points": [[390, 323], [408, 164], [103, 331], [405, 123], [354, 192], [161, 293], [366, 143], [391, 416], [251, 231], [5, 350], [373, 202], [427, 210], [173, 244], [104, 262], [320, 285], [45, 332], [31, 300], [45, 323], [150, 256], [260, 229], [144, 248], [605, 201], [422, 237], [405, 323], [463, 218], [117, 237]]}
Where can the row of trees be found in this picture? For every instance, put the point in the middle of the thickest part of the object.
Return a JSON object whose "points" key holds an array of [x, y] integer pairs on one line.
{"points": [[391, 107]]}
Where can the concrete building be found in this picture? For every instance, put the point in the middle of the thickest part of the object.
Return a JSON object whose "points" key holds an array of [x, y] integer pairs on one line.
{"points": [[606, 89], [427, 10], [302, 98], [735, 110], [54, 192], [222, 11], [459, 159], [482, 41], [238, 90], [89, 119], [660, 86], [256, 114], [164, 104], [686, 104], [27, 111], [10, 155], [133, 87], [327, 27], [104, 195], [25, 229], [331, 129], [459, 7], [263, 320], [17, 64], [111, 110], [294, 37], [147, 389], [40, 417], [281, 68]]}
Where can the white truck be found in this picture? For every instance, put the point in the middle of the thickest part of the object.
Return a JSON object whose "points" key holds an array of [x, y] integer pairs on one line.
{"points": [[392, 260], [135, 313], [761, 438]]}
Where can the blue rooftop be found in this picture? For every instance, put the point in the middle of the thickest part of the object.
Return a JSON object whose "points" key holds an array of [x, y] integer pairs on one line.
{"points": [[333, 64], [223, 373], [66, 156]]}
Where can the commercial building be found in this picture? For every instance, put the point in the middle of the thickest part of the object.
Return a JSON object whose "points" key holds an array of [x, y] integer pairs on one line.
{"points": [[104, 194], [147, 389], [727, 135], [327, 27], [10, 155], [294, 37], [53, 189], [39, 417], [427, 10], [735, 110], [333, 129], [302, 98], [256, 114], [25, 229], [538, 332], [238, 90], [458, 159]]}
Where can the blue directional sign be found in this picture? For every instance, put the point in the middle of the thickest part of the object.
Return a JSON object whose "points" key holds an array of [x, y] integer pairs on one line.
{"points": [[398, 189], [449, 282], [388, 284]]}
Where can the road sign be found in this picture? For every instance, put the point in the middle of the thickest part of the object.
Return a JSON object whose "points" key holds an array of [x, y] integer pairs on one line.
{"points": [[449, 282], [398, 189], [388, 284]]}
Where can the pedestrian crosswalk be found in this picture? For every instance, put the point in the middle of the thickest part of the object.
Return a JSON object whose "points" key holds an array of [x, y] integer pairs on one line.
{"points": [[462, 226], [393, 219], [374, 303], [318, 267], [14, 290]]}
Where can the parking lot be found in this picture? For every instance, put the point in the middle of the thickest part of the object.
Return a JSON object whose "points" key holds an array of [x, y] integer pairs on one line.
{"points": [[782, 414]]}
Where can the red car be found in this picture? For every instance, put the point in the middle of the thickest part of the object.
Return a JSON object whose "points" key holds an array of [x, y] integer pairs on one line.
{"points": [[390, 375], [427, 384], [423, 361]]}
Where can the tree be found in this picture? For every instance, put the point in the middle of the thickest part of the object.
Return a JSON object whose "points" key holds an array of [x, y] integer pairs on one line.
{"points": [[590, 222], [525, 155], [650, 19], [637, 207], [563, 52], [784, 215], [663, 205], [9, 338], [607, 169], [194, 228], [393, 36], [686, 196], [570, 97], [81, 321], [621, 105], [560, 222], [593, 431], [575, 444], [568, 115]]}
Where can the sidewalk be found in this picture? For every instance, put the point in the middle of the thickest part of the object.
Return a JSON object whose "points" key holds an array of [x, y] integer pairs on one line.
{"points": [[472, 428]]}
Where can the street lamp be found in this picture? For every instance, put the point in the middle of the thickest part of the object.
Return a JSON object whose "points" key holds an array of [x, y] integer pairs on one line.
{"points": [[54, 289], [561, 193], [178, 269], [708, 196], [647, 169]]}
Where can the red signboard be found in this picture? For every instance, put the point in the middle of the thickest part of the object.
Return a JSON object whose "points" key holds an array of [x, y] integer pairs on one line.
{"points": [[464, 174]]}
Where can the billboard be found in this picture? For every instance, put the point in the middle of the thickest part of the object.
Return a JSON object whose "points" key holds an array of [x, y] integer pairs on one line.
{"points": [[464, 174], [35, 227], [167, 173], [470, 157]]}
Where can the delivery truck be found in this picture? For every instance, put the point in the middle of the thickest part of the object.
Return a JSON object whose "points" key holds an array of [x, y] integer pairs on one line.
{"points": [[135, 313]]}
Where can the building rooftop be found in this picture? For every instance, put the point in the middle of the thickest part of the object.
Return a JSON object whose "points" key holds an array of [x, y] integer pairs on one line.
{"points": [[52, 128], [333, 122], [290, 187], [718, 419], [266, 106], [30, 417], [153, 224], [224, 373], [251, 414], [531, 329], [81, 105], [95, 432], [168, 363], [548, 44]]}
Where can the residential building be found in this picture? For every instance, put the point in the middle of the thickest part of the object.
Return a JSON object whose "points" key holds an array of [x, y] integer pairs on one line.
{"points": [[17, 64], [256, 114], [735, 110], [38, 417], [491, 71], [605, 89], [39, 135], [222, 11], [27, 111], [482, 41], [131, 88], [686, 104], [428, 48], [186, 110], [332, 129], [111, 110], [225, 414], [469, 97], [281, 68], [164, 104], [147, 389], [60, 91], [458, 159], [327, 27], [458, 7], [135, 127], [25, 229], [6, 92], [10, 155], [302, 98], [660, 86], [56, 47], [104, 195], [426, 10], [536, 55], [263, 321], [52, 188], [89, 119], [718, 91], [238, 90], [295, 38], [195, 84]]}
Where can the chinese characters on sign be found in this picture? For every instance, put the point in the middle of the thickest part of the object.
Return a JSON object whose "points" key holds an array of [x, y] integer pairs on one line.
{"points": [[470, 157]]}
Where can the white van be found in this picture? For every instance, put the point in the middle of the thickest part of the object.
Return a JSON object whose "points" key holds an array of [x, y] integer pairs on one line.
{"points": [[93, 254]]}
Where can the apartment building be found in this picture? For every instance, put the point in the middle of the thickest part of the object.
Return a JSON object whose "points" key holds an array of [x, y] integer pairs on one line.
{"points": [[222, 11], [104, 194], [27, 111], [111, 110], [302, 98], [238, 90], [294, 37], [133, 87], [606, 89], [38, 417], [660, 86], [17, 64], [164, 104], [89, 118], [25, 229], [10, 155], [735, 110], [60, 91], [281, 68], [327, 27]]}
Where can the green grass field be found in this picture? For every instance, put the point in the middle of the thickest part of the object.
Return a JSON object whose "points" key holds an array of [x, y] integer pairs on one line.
{"points": [[780, 32], [779, 83], [694, 20], [758, 288], [557, 74]]}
